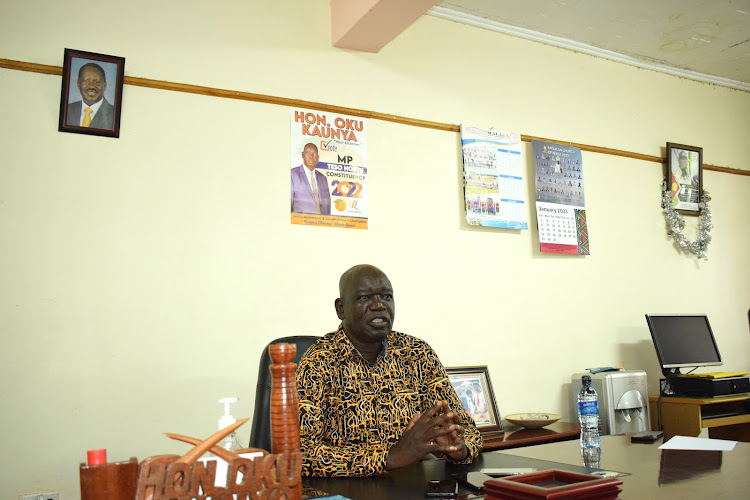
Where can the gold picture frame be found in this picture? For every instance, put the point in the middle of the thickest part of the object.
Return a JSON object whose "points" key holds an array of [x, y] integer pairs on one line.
{"points": [[474, 389]]}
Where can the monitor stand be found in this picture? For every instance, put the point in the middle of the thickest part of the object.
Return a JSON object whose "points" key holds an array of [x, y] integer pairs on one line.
{"points": [[665, 388]]}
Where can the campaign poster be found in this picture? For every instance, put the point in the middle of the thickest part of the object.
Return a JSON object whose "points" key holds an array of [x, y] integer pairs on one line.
{"points": [[328, 169], [560, 199], [493, 178]]}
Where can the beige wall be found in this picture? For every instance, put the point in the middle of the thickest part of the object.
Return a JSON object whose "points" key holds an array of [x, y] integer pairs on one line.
{"points": [[142, 276]]}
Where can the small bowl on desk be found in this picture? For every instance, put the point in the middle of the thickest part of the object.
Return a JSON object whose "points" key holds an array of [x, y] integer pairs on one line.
{"points": [[533, 420]]}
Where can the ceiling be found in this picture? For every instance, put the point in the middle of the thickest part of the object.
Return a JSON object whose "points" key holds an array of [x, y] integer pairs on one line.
{"points": [[705, 40]]}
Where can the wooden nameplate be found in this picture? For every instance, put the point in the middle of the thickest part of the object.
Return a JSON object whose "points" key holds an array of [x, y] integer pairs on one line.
{"points": [[265, 476]]}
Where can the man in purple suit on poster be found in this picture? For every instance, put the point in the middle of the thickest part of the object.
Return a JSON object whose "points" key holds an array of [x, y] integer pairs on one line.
{"points": [[310, 194]]}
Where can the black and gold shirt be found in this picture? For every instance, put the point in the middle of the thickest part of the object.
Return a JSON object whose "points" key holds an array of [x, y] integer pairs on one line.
{"points": [[352, 412]]}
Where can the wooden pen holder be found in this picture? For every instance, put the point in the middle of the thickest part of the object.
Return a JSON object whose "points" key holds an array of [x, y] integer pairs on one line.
{"points": [[112, 481]]}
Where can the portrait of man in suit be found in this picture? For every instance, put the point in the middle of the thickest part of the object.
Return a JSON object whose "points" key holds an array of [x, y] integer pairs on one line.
{"points": [[310, 193], [91, 94], [93, 110]]}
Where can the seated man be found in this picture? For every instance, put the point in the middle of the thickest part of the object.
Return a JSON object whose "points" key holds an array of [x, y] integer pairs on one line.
{"points": [[372, 399]]}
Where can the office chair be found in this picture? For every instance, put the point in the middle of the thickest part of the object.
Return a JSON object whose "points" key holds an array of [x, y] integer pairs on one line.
{"points": [[260, 433]]}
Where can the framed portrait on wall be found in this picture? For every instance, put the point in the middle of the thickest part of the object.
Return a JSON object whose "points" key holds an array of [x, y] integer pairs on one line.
{"points": [[474, 389], [685, 177], [91, 95]]}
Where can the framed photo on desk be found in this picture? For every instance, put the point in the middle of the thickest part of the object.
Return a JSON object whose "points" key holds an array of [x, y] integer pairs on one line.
{"points": [[474, 389]]}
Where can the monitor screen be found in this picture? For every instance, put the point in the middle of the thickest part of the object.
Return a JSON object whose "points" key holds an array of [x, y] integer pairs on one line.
{"points": [[683, 341]]}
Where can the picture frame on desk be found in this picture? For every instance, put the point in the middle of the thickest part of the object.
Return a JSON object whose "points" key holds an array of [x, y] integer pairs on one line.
{"points": [[91, 94], [684, 177], [553, 483], [474, 389]]}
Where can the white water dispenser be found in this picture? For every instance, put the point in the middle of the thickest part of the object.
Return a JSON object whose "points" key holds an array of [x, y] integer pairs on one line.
{"points": [[623, 400]]}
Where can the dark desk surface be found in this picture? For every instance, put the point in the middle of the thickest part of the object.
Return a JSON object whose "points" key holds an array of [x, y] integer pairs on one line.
{"points": [[516, 437], [661, 473], [652, 473]]}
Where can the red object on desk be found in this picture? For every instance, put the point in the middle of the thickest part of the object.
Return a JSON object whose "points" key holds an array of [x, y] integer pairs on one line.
{"points": [[96, 457]]}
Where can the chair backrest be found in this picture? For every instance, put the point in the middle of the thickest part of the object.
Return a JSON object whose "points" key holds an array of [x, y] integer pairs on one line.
{"points": [[260, 433]]}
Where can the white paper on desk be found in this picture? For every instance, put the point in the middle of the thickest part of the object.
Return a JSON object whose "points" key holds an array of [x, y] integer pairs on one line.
{"points": [[694, 443]]}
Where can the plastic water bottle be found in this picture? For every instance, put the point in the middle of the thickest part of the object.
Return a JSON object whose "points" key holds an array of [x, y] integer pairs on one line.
{"points": [[588, 416], [591, 457]]}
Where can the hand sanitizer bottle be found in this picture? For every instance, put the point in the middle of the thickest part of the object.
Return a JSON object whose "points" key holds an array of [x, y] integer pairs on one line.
{"points": [[229, 442]]}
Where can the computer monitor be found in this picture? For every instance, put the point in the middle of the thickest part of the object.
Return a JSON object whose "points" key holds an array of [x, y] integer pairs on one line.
{"points": [[683, 341]]}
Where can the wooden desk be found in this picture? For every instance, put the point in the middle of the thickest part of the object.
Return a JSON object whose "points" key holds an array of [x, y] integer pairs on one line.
{"points": [[653, 473], [517, 437], [688, 416]]}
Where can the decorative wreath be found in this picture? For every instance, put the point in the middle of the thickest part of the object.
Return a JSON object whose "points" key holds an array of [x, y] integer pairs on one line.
{"points": [[676, 223]]}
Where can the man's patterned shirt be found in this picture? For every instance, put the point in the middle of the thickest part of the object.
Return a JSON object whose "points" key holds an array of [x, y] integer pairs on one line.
{"points": [[352, 412]]}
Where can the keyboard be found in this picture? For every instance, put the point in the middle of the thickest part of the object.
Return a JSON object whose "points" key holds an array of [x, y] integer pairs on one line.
{"points": [[715, 375]]}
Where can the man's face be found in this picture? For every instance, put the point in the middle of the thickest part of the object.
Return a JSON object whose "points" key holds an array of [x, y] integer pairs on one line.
{"points": [[366, 306], [310, 156], [92, 85]]}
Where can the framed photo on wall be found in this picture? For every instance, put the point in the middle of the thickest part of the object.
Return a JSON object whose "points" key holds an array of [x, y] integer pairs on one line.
{"points": [[474, 389], [685, 177], [91, 96]]}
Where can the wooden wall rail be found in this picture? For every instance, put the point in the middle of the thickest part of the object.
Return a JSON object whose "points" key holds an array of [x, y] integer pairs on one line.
{"points": [[282, 101]]}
